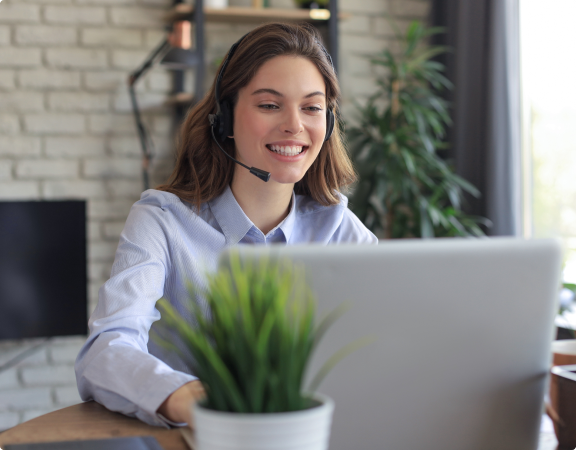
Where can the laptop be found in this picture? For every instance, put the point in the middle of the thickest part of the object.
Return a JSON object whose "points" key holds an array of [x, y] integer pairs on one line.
{"points": [[462, 330]]}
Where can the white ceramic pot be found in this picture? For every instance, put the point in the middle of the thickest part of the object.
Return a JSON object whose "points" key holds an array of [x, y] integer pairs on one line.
{"points": [[299, 430], [217, 4]]}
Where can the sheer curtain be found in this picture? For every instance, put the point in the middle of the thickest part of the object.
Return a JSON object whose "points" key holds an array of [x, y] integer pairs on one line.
{"points": [[485, 138]]}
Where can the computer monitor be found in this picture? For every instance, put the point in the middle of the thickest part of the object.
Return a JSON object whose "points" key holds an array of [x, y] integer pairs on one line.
{"points": [[43, 281]]}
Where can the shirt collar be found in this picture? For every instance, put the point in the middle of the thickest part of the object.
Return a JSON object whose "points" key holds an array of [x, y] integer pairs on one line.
{"points": [[287, 225], [230, 216], [235, 224]]}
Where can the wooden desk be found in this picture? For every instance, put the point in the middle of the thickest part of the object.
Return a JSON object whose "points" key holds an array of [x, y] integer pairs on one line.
{"points": [[92, 421], [88, 421]]}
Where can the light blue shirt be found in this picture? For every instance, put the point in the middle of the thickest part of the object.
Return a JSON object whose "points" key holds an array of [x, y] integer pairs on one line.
{"points": [[165, 243]]}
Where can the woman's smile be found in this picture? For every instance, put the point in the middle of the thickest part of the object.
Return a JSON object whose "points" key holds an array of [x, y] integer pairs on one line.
{"points": [[288, 148]]}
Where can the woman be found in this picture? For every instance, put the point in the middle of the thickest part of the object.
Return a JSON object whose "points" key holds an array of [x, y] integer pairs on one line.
{"points": [[275, 97]]}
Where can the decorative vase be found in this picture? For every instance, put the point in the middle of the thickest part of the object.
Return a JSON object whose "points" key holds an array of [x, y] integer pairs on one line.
{"points": [[216, 4], [308, 429]]}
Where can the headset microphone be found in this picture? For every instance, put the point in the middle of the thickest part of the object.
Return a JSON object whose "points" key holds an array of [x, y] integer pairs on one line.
{"points": [[222, 120], [262, 174]]}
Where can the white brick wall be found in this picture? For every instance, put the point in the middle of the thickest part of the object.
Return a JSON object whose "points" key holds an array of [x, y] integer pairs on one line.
{"points": [[66, 131], [41, 383]]}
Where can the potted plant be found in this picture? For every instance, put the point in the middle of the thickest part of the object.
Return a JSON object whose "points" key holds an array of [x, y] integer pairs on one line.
{"points": [[405, 188], [252, 336]]}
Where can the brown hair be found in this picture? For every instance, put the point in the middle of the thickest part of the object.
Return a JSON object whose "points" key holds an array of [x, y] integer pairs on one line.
{"points": [[202, 172]]}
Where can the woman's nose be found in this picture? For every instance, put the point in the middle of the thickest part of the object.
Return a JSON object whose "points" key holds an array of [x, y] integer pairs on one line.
{"points": [[292, 122]]}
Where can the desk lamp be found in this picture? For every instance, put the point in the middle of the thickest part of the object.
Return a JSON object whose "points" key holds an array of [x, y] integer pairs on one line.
{"points": [[174, 54]]}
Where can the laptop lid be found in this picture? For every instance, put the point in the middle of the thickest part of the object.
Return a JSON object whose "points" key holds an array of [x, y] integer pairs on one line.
{"points": [[462, 334]]}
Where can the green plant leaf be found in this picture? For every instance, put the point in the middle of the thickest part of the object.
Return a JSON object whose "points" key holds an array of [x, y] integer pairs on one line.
{"points": [[336, 358]]}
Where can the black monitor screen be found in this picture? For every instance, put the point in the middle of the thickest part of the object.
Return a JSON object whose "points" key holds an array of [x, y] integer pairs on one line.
{"points": [[43, 283]]}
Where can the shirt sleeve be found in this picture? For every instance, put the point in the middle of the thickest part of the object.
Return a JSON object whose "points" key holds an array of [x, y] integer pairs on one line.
{"points": [[114, 366]]}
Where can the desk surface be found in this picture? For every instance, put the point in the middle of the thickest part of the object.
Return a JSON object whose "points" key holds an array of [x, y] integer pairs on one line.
{"points": [[92, 421], [88, 421]]}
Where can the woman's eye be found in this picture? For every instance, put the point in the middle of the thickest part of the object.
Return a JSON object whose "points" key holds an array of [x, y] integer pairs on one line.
{"points": [[314, 108], [268, 106]]}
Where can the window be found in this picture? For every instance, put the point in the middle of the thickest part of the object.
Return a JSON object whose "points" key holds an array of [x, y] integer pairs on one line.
{"points": [[548, 41]]}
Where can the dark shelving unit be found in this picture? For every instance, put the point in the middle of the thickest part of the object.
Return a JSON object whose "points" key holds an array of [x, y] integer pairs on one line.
{"points": [[198, 15]]}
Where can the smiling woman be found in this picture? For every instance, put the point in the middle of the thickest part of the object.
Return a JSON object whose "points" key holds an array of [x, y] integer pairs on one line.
{"points": [[272, 108], [269, 59]]}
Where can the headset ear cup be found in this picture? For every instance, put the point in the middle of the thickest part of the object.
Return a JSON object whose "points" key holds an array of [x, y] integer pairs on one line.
{"points": [[216, 124], [329, 124], [226, 120]]}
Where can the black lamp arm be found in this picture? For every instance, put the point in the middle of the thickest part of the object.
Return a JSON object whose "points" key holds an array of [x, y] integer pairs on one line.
{"points": [[150, 62], [145, 140], [146, 143]]}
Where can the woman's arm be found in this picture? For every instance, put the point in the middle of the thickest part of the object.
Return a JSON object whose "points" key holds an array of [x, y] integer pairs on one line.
{"points": [[114, 366]]}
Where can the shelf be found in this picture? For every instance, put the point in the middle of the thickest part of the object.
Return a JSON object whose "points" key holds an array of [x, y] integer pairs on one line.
{"points": [[180, 99], [183, 11]]}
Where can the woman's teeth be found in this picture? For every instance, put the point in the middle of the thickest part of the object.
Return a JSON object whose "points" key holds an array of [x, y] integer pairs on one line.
{"points": [[286, 150]]}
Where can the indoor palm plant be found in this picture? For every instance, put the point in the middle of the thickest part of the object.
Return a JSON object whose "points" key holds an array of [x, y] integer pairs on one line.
{"points": [[252, 336], [405, 188]]}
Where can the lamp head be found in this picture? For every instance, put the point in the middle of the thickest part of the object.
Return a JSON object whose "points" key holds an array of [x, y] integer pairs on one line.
{"points": [[180, 56], [179, 59]]}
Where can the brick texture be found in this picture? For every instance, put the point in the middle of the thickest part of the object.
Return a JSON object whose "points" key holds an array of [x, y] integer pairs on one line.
{"points": [[50, 123], [46, 169], [19, 57], [19, 146], [45, 35], [75, 15], [9, 124], [5, 174], [21, 101], [78, 101], [19, 13], [8, 420], [67, 131], [138, 17], [112, 37], [23, 398], [48, 375], [43, 79], [4, 35], [7, 78], [68, 146], [19, 190], [77, 58]]}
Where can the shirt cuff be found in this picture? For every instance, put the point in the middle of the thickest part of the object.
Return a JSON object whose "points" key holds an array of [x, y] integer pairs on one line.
{"points": [[169, 422]]}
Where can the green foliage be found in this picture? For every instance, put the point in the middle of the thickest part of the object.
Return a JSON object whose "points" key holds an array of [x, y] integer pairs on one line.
{"points": [[570, 287], [252, 347], [568, 308], [405, 189]]}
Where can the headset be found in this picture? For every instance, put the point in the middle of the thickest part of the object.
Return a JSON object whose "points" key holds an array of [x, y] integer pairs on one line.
{"points": [[223, 121]]}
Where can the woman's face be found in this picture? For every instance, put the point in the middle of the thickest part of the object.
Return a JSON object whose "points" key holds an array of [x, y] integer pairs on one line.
{"points": [[280, 119]]}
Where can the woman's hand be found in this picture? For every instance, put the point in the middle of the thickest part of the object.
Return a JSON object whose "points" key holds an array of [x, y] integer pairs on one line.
{"points": [[178, 406]]}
